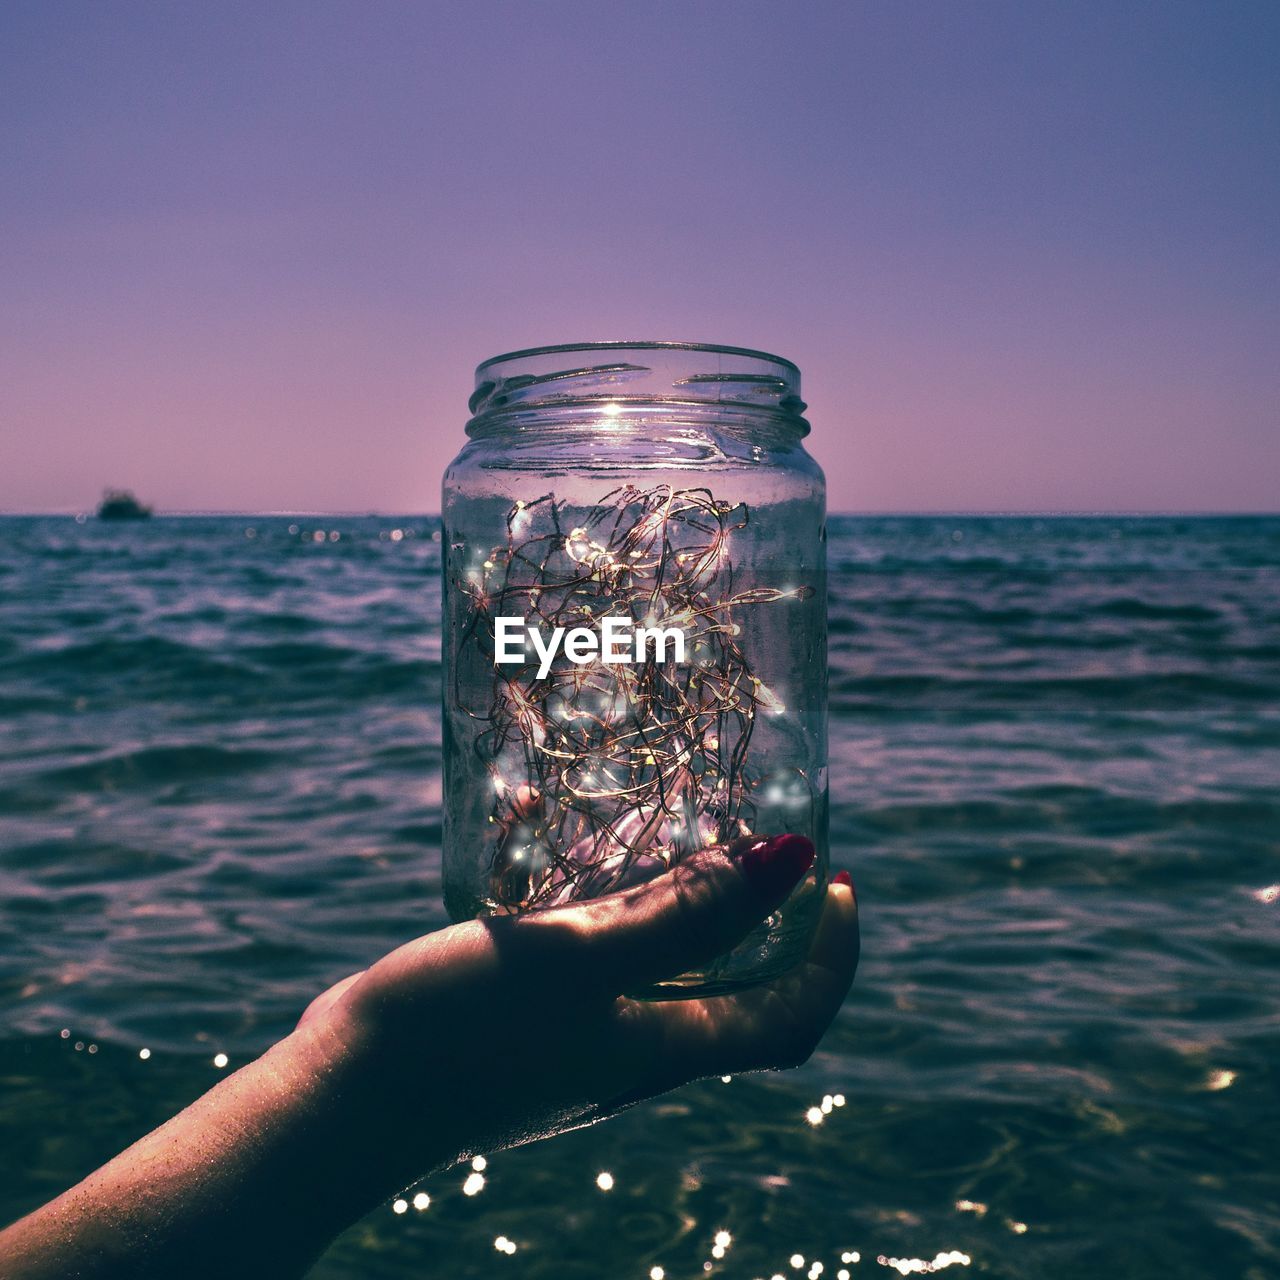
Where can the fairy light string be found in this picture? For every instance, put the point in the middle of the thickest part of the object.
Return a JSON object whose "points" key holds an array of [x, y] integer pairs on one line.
{"points": [[604, 773]]}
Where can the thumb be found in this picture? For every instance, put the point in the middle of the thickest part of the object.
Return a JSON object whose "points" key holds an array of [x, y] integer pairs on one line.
{"points": [[677, 921]]}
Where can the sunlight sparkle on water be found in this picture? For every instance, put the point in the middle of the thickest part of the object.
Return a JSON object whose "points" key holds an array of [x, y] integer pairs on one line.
{"points": [[604, 1180], [421, 1201], [474, 1184], [220, 1060], [923, 1266]]}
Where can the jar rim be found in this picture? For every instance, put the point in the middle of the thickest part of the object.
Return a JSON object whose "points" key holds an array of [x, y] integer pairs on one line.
{"points": [[647, 344]]}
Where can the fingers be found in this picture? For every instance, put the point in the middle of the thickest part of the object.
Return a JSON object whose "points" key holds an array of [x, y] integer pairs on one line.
{"points": [[838, 939], [777, 1025], [690, 915], [594, 950]]}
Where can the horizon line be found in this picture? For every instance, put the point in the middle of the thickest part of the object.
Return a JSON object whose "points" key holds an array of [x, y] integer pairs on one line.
{"points": [[366, 514]]}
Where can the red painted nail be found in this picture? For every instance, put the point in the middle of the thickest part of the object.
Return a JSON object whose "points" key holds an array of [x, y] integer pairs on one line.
{"points": [[775, 866], [844, 878]]}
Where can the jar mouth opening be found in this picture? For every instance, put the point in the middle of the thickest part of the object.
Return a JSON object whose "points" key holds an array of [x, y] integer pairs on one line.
{"points": [[610, 374], [561, 348]]}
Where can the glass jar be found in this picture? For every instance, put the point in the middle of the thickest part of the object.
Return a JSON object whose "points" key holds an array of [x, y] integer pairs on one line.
{"points": [[635, 631]]}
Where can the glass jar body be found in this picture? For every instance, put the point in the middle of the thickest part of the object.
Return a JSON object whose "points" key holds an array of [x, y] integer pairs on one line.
{"points": [[635, 654]]}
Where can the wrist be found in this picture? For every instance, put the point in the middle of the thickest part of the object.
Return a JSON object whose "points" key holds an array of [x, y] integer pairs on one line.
{"points": [[356, 1093]]}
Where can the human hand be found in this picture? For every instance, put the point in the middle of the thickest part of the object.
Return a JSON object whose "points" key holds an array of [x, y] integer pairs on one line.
{"points": [[510, 1028]]}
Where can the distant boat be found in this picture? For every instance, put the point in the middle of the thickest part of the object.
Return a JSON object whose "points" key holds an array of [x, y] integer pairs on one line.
{"points": [[120, 504]]}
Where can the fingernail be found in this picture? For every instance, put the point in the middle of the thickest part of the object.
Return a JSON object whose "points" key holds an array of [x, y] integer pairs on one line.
{"points": [[774, 866], [848, 881]]}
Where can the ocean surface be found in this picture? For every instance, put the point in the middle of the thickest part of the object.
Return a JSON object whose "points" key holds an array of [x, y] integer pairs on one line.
{"points": [[1055, 766]]}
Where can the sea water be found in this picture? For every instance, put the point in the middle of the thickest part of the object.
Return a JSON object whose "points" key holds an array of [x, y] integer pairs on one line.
{"points": [[1055, 758]]}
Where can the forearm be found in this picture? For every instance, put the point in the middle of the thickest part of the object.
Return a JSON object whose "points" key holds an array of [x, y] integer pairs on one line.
{"points": [[255, 1177]]}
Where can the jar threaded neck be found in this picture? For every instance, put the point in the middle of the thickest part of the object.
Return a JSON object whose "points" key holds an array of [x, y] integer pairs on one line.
{"points": [[605, 375]]}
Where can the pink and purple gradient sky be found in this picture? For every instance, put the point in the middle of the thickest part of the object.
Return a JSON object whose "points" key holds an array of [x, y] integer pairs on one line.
{"points": [[1026, 255]]}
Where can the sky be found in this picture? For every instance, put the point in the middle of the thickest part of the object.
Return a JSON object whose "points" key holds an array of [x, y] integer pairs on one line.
{"points": [[1026, 255]]}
